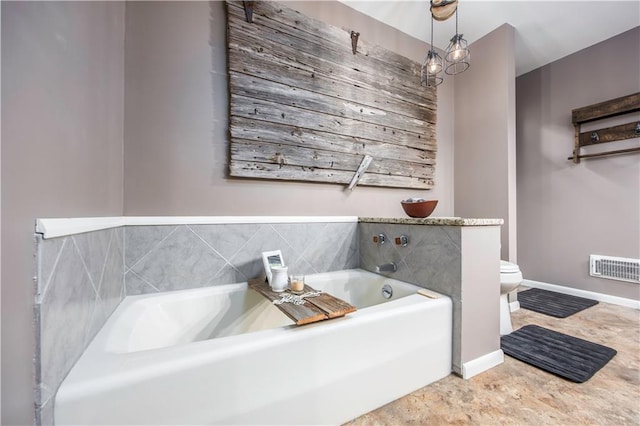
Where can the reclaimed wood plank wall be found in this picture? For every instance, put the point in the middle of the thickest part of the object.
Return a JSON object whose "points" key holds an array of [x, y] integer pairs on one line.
{"points": [[304, 107]]}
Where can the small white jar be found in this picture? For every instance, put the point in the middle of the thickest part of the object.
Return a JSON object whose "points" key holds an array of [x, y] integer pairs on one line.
{"points": [[279, 276]]}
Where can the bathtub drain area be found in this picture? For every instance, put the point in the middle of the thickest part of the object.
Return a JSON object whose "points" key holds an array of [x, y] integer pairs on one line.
{"points": [[387, 291]]}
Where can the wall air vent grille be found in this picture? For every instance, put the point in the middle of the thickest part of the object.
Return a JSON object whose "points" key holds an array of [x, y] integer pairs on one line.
{"points": [[615, 268]]}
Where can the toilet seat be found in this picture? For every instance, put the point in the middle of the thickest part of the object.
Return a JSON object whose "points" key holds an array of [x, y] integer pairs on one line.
{"points": [[508, 267]]}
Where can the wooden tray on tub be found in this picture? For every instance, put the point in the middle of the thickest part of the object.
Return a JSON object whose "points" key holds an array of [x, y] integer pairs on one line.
{"points": [[314, 309]]}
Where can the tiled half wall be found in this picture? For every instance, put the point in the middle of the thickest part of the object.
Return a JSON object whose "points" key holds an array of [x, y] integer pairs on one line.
{"points": [[79, 283], [82, 278]]}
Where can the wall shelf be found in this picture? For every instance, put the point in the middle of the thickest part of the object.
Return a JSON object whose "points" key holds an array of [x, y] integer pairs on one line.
{"points": [[611, 108]]}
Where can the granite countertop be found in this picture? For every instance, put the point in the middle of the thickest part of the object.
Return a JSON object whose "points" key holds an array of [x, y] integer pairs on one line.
{"points": [[438, 221]]}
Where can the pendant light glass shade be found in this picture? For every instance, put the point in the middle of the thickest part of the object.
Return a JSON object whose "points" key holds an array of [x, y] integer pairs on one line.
{"points": [[432, 66], [458, 56]]}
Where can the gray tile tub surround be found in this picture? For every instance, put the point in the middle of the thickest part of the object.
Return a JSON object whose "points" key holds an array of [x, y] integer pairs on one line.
{"points": [[79, 283], [163, 258], [431, 260]]}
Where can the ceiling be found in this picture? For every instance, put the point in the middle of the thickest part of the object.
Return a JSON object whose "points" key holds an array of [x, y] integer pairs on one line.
{"points": [[545, 30]]}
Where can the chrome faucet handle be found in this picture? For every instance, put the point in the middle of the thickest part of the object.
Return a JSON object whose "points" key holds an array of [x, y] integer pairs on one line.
{"points": [[402, 240], [380, 239]]}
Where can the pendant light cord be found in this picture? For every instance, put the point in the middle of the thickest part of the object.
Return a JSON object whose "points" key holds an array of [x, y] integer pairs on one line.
{"points": [[431, 31]]}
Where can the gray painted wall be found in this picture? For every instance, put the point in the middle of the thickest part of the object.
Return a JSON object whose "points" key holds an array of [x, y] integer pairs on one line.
{"points": [[176, 130], [480, 292], [62, 124], [485, 135], [568, 211]]}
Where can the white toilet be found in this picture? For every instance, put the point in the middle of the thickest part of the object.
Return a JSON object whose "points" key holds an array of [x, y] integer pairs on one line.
{"points": [[510, 279]]}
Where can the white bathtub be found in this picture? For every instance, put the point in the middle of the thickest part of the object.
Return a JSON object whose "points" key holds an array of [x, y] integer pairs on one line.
{"points": [[225, 355]]}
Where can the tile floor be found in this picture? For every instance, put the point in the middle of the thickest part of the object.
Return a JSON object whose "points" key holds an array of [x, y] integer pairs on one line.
{"points": [[515, 393]]}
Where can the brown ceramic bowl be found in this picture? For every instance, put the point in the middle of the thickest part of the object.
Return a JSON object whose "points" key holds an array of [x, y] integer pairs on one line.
{"points": [[419, 208]]}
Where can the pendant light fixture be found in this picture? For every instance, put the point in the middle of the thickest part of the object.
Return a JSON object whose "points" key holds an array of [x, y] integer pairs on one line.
{"points": [[458, 55], [432, 66]]}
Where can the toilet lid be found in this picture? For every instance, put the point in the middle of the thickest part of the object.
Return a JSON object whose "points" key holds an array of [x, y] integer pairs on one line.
{"points": [[508, 267]]}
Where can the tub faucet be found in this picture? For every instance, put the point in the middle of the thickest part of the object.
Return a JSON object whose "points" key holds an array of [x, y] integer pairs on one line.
{"points": [[387, 267]]}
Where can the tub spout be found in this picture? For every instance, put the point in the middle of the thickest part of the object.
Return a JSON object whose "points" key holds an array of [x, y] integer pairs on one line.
{"points": [[387, 267]]}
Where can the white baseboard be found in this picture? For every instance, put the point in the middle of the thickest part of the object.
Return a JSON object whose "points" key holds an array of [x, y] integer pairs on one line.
{"points": [[481, 364], [621, 301], [514, 306]]}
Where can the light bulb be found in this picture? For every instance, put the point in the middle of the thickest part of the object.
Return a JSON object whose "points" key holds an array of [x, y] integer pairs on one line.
{"points": [[457, 52], [432, 66]]}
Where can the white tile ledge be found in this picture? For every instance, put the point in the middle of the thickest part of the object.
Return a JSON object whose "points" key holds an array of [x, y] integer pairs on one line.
{"points": [[59, 227]]}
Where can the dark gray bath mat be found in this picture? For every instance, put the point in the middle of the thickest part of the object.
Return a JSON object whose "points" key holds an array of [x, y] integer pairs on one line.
{"points": [[551, 303], [567, 356]]}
